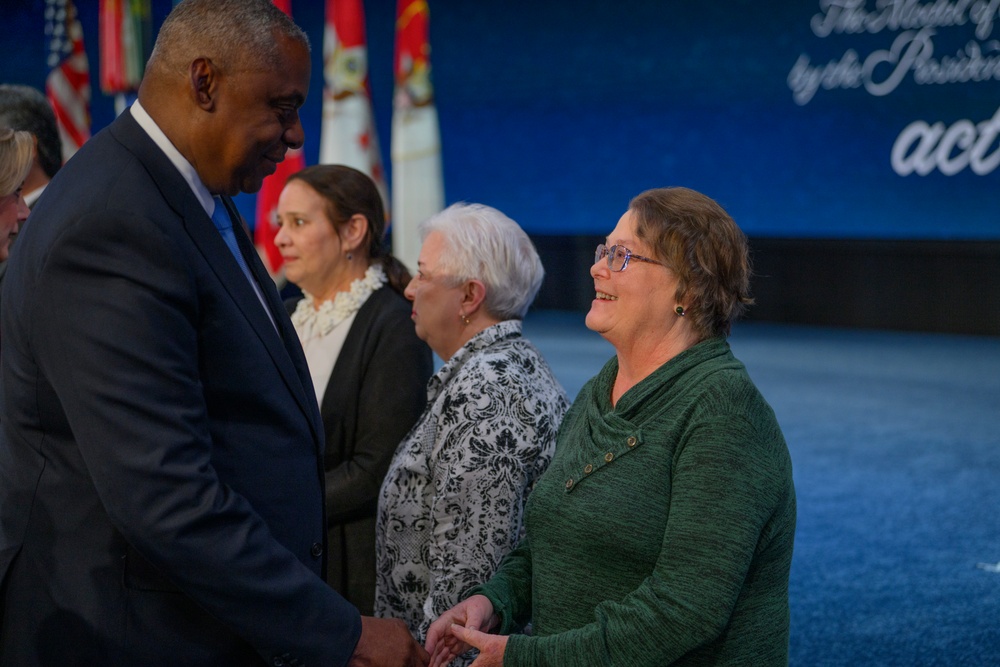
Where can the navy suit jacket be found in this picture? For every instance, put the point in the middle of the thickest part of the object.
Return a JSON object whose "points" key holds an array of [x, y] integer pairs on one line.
{"points": [[161, 477]]}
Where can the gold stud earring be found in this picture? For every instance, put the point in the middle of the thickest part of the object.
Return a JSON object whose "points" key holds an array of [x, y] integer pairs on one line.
{"points": [[679, 310]]}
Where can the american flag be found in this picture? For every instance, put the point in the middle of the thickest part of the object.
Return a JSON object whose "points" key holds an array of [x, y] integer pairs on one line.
{"points": [[68, 82]]}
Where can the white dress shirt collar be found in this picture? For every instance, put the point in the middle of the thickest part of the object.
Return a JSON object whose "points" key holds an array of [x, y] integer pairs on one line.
{"points": [[32, 197], [179, 161]]}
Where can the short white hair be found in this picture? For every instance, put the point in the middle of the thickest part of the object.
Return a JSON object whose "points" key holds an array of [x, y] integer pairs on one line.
{"points": [[481, 243]]}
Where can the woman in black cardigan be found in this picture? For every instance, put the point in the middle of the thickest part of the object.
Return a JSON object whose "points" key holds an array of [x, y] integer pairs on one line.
{"points": [[368, 367]]}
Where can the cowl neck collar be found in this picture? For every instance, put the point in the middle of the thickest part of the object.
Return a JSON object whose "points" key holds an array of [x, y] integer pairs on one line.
{"points": [[654, 391]]}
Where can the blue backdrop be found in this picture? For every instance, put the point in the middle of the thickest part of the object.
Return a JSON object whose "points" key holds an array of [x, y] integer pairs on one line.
{"points": [[805, 118]]}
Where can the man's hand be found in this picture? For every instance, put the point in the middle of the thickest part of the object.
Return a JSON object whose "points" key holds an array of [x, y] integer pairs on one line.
{"points": [[386, 642], [475, 613]]}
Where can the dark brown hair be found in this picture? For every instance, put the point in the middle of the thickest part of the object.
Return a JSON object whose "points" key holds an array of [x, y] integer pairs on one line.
{"points": [[348, 192], [702, 245]]}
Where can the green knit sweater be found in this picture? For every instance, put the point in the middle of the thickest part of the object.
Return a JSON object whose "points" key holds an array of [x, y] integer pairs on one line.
{"points": [[662, 532]]}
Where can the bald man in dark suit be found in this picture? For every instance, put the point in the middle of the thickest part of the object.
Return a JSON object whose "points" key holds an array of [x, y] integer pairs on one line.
{"points": [[161, 481]]}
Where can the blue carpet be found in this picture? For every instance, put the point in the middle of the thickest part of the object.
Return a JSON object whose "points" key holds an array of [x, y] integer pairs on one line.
{"points": [[896, 448]]}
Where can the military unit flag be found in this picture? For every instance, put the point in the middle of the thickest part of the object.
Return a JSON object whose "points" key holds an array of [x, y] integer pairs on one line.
{"points": [[348, 133], [125, 37], [417, 180]]}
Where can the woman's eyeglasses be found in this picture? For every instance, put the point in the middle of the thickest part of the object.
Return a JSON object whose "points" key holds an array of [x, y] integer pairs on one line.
{"points": [[619, 256]]}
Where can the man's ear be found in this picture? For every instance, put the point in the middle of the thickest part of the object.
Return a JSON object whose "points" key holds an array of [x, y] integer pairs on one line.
{"points": [[204, 82]]}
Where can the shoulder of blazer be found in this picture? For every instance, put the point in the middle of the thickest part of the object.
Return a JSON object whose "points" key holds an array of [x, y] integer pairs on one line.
{"points": [[384, 302], [173, 188], [385, 312], [385, 309], [291, 304]]}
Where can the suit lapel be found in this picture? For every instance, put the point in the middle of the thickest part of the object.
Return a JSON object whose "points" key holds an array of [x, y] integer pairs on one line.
{"points": [[282, 346], [282, 322]]}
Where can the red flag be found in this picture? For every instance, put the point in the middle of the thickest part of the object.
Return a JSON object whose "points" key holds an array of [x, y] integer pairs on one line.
{"points": [[68, 82], [266, 226], [417, 180], [349, 136], [124, 34], [413, 49]]}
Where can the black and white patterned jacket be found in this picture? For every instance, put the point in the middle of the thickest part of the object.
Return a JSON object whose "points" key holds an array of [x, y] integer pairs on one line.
{"points": [[451, 506]]}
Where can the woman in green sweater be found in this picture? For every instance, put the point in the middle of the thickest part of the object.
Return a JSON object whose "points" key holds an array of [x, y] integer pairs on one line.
{"points": [[662, 532]]}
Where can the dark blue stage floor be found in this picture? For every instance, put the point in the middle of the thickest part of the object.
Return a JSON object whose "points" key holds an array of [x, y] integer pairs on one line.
{"points": [[895, 439]]}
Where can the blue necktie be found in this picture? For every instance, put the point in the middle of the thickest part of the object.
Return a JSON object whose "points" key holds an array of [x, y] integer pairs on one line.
{"points": [[220, 216], [225, 226]]}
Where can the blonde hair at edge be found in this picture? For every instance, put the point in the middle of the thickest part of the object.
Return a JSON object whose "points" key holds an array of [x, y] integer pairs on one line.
{"points": [[15, 159]]}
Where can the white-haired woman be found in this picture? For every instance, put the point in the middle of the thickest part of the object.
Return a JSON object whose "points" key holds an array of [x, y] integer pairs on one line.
{"points": [[451, 505], [16, 154]]}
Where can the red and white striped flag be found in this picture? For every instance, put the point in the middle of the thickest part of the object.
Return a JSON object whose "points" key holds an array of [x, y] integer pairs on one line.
{"points": [[266, 225], [68, 82], [125, 35], [417, 180], [349, 136]]}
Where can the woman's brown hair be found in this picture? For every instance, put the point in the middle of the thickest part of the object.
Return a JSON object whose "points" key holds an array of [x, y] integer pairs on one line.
{"points": [[348, 192], [695, 237]]}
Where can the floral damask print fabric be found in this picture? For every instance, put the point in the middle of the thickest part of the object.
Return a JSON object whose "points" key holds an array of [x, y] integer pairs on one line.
{"points": [[451, 506]]}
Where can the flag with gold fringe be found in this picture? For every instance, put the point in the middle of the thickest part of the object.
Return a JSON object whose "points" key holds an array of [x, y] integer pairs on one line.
{"points": [[415, 145], [349, 136]]}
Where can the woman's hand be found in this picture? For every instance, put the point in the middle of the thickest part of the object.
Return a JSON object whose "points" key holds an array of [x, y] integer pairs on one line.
{"points": [[475, 614], [491, 647]]}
